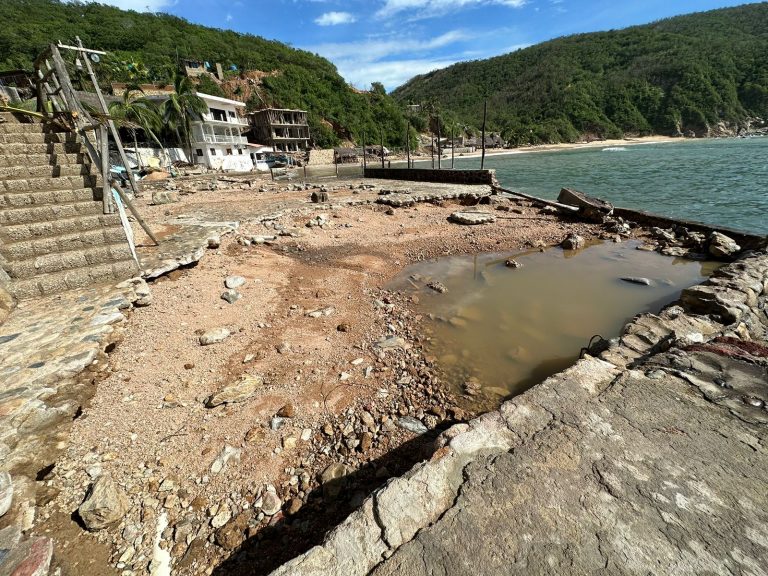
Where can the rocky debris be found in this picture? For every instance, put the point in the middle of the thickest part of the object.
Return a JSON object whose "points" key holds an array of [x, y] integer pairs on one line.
{"points": [[232, 534], [319, 197], [331, 479], [412, 425], [164, 197], [592, 209], [240, 390], [512, 263], [637, 280], [271, 503], [722, 246], [438, 287], [320, 312], [472, 218], [287, 411], [6, 492], [318, 221], [214, 242], [214, 336], [391, 343], [104, 505], [344, 327], [143, 293], [231, 296], [572, 242], [227, 453], [233, 282]]}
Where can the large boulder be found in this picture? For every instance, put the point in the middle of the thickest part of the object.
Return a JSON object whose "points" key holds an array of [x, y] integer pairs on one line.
{"points": [[722, 246], [238, 391], [104, 505], [471, 218], [572, 242], [6, 492], [164, 197], [590, 208]]}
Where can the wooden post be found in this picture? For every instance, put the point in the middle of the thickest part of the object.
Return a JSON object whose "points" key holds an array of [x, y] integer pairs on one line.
{"points": [[105, 110], [408, 144], [365, 163], [439, 148], [106, 199], [432, 148], [132, 208], [485, 114], [453, 147], [381, 132]]}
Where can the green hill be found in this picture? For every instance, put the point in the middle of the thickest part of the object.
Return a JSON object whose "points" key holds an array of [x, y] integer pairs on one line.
{"points": [[146, 46], [683, 74]]}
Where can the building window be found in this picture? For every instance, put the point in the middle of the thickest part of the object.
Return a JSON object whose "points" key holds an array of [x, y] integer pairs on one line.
{"points": [[229, 151], [240, 152], [219, 115], [199, 152], [213, 151]]}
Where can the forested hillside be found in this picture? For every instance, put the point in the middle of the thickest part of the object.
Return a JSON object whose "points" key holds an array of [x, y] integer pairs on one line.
{"points": [[146, 47], [684, 74]]}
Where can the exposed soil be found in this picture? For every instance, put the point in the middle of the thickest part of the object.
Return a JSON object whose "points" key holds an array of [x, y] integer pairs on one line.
{"points": [[148, 426]]}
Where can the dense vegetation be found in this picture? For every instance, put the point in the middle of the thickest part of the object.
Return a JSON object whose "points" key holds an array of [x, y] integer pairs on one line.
{"points": [[146, 47], [682, 74]]}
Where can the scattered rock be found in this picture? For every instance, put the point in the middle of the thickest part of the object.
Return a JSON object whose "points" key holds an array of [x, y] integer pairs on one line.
{"points": [[6, 492], [327, 311], [231, 536], [214, 336], [238, 391], [318, 197], [511, 263], [104, 505], [294, 506], [214, 242], [287, 411], [344, 327], [227, 453], [572, 242], [271, 503], [331, 479], [722, 246], [234, 281], [637, 280], [412, 424], [231, 296], [438, 287], [471, 218], [392, 342], [164, 197], [28, 558], [222, 516]]}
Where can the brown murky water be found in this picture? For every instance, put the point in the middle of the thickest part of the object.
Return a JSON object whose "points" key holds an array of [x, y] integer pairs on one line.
{"points": [[504, 329]]}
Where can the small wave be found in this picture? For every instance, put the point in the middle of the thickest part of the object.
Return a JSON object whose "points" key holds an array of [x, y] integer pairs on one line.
{"points": [[615, 149]]}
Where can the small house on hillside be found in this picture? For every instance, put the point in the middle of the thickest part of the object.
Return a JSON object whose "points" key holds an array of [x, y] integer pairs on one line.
{"points": [[217, 137], [345, 155]]}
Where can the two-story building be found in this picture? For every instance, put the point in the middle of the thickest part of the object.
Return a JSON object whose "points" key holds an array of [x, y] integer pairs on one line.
{"points": [[217, 138]]}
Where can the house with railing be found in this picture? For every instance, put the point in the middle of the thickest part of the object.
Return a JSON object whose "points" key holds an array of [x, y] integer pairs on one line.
{"points": [[217, 137]]}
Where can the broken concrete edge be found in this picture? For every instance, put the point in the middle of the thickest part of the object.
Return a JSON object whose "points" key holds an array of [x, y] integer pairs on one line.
{"points": [[395, 513], [191, 254]]}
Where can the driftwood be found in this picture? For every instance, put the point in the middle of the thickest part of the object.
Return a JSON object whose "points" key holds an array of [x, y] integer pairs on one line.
{"points": [[590, 208]]}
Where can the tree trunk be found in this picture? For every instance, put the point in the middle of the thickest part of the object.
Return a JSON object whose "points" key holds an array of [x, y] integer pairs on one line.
{"points": [[485, 114], [136, 149]]}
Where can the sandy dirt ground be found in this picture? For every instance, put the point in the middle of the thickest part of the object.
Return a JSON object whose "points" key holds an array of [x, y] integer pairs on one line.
{"points": [[332, 402]]}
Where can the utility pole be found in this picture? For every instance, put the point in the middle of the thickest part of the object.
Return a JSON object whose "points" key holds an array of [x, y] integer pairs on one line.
{"points": [[365, 165], [381, 132], [408, 144], [453, 146], [439, 148]]}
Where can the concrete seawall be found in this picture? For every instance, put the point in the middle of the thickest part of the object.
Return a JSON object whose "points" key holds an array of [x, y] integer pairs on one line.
{"points": [[648, 459], [439, 176]]}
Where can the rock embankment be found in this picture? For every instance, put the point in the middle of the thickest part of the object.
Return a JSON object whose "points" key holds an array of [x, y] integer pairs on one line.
{"points": [[645, 454]]}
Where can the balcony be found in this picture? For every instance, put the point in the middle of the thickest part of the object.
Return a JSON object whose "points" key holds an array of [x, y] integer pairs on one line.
{"points": [[220, 139]]}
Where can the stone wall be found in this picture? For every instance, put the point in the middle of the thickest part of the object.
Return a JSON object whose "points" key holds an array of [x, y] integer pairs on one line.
{"points": [[320, 157], [430, 175]]}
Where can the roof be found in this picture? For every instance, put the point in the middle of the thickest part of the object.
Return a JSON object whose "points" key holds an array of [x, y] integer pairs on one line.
{"points": [[278, 110], [220, 100]]}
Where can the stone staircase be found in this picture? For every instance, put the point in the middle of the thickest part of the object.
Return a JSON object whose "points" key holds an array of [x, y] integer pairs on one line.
{"points": [[54, 236]]}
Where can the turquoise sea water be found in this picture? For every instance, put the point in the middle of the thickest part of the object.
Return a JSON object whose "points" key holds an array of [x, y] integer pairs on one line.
{"points": [[722, 182]]}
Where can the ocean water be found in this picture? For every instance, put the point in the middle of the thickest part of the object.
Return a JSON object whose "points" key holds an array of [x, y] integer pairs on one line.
{"points": [[721, 182]]}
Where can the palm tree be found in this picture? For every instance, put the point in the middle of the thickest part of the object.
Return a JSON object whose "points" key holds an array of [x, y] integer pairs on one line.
{"points": [[136, 112], [181, 107]]}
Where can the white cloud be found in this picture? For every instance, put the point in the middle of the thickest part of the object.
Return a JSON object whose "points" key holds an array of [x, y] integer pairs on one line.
{"points": [[429, 8], [139, 5], [390, 73], [334, 19], [375, 49], [229, 18]]}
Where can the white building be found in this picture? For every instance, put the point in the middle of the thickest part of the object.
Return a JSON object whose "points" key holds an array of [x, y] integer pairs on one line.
{"points": [[217, 140]]}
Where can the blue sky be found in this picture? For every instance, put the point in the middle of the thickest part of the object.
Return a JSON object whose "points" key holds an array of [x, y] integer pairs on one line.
{"points": [[392, 40]]}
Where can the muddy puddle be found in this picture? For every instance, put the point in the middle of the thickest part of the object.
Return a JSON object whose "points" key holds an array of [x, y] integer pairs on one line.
{"points": [[497, 330]]}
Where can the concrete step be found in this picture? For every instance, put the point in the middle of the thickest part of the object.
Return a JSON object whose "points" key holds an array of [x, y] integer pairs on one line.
{"points": [[45, 197], [40, 184], [56, 227], [49, 212], [41, 148], [27, 172], [38, 137], [42, 159], [92, 231], [58, 262], [19, 128], [58, 282]]}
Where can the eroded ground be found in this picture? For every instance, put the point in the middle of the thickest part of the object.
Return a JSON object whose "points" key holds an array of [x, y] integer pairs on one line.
{"points": [[347, 405]]}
